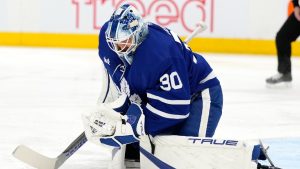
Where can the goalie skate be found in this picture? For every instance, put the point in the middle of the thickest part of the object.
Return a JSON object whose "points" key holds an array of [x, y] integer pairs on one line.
{"points": [[265, 153]]}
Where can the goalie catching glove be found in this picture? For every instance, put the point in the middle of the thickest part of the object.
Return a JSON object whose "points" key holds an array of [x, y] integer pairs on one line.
{"points": [[109, 127]]}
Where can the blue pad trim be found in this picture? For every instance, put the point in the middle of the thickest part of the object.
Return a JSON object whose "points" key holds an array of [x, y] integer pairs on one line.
{"points": [[110, 142], [126, 139]]}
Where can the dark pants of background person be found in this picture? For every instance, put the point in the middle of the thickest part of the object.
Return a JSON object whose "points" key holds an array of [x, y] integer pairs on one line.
{"points": [[288, 33]]}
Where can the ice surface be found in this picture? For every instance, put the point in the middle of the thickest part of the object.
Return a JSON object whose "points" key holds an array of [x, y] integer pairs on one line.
{"points": [[43, 92]]}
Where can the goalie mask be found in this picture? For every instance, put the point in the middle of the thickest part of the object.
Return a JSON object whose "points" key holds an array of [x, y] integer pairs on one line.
{"points": [[126, 30]]}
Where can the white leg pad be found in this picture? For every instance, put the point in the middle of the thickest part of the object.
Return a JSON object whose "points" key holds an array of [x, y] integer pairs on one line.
{"points": [[118, 158], [197, 152], [108, 90]]}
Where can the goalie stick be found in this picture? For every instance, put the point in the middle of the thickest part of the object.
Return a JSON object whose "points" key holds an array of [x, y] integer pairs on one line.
{"points": [[37, 160], [202, 27], [40, 161]]}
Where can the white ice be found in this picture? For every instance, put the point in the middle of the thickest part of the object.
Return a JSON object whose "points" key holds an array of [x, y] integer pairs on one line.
{"points": [[43, 92]]}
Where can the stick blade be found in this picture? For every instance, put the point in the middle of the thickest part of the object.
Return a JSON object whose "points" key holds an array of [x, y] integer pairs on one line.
{"points": [[33, 158]]}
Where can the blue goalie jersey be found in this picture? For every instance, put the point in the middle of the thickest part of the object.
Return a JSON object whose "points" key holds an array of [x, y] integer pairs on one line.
{"points": [[162, 78]]}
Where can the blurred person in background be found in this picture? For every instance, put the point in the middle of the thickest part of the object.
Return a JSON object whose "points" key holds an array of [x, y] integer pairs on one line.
{"points": [[288, 33]]}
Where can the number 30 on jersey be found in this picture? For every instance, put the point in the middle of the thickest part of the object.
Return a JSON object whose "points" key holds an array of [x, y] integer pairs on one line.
{"points": [[170, 81]]}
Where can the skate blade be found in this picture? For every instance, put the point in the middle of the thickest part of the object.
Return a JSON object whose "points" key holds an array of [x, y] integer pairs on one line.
{"points": [[281, 85]]}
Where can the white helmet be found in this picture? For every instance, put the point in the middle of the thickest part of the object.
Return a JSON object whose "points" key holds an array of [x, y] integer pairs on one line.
{"points": [[126, 30]]}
